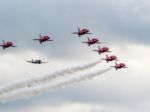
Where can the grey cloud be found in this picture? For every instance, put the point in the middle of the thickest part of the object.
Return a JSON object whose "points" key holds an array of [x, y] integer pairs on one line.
{"points": [[21, 21], [25, 18], [125, 20]]}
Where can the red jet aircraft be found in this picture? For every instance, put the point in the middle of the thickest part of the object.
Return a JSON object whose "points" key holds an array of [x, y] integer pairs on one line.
{"points": [[102, 50], [92, 41], [110, 58], [43, 39], [82, 32], [7, 45], [119, 66]]}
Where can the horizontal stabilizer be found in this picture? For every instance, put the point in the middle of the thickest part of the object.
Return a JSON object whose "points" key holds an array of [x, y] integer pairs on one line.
{"points": [[50, 40]]}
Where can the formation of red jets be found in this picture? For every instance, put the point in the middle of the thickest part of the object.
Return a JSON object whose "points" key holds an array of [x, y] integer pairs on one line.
{"points": [[100, 50], [89, 42]]}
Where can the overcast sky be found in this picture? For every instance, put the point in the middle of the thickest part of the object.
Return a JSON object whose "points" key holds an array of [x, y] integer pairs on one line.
{"points": [[122, 25]]}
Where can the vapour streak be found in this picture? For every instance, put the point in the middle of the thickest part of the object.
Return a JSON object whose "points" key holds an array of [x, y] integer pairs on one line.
{"points": [[40, 79], [33, 91]]}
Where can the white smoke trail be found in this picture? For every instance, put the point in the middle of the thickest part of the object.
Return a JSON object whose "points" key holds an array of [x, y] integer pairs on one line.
{"points": [[36, 80], [33, 91]]}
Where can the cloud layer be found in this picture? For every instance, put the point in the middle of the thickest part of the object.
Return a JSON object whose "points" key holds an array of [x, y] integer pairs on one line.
{"points": [[123, 25]]}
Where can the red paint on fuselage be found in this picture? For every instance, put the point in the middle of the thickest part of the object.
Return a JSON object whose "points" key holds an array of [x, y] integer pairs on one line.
{"points": [[110, 58], [120, 65], [92, 41], [82, 32], [44, 38]]}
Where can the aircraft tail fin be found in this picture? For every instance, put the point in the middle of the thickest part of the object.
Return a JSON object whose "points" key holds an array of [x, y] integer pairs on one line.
{"points": [[3, 42], [106, 56], [40, 36], [116, 63], [78, 29]]}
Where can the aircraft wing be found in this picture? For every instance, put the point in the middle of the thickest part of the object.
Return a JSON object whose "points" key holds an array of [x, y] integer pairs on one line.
{"points": [[74, 32], [13, 46], [94, 50], [85, 42], [88, 33], [50, 40], [99, 42]]}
